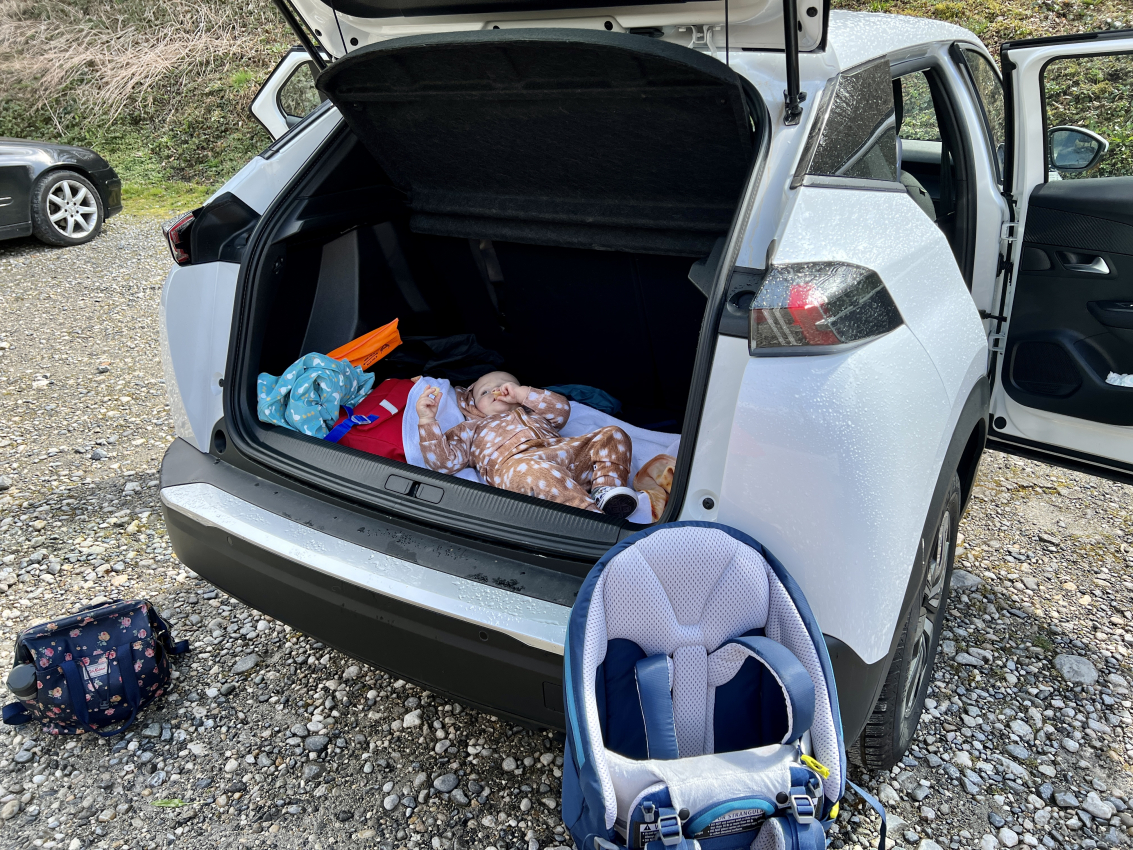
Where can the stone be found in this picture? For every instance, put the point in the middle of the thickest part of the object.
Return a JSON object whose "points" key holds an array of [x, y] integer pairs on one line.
{"points": [[1070, 745], [928, 844], [459, 797], [1017, 751], [968, 661], [1065, 800], [232, 766], [299, 730], [312, 770], [996, 820], [10, 810], [1097, 807], [1021, 729], [963, 581], [24, 756], [152, 731], [1008, 837], [446, 783], [390, 802], [989, 842], [412, 719], [245, 664], [920, 792], [508, 764], [316, 743], [1076, 669], [887, 795]]}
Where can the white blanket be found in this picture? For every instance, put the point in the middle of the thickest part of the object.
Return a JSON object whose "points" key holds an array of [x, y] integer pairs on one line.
{"points": [[583, 419]]}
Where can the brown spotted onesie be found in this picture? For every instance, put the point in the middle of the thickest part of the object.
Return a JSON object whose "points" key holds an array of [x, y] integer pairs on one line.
{"points": [[522, 451]]}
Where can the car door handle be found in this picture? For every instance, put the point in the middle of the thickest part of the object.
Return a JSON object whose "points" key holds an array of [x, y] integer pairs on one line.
{"points": [[1083, 263]]}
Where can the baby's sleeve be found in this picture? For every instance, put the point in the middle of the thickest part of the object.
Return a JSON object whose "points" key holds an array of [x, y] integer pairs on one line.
{"points": [[551, 406], [446, 451]]}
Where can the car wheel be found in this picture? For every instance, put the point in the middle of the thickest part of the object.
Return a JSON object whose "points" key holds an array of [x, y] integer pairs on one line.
{"points": [[891, 727], [65, 209]]}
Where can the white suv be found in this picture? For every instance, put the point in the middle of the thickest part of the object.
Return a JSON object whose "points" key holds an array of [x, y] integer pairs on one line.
{"points": [[834, 295]]}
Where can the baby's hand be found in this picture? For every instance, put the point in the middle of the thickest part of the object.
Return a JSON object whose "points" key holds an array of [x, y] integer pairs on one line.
{"points": [[512, 393], [427, 404]]}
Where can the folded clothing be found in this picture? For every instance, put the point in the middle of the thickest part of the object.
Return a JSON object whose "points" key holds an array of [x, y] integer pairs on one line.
{"points": [[386, 405], [583, 420], [592, 396], [307, 396]]}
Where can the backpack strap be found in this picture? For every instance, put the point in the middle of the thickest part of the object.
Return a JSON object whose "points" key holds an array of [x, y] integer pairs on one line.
{"points": [[16, 713], [657, 706], [166, 634], [124, 658], [795, 681]]}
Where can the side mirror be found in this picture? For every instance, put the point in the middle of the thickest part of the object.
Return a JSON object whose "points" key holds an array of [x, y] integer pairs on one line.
{"points": [[1075, 148]]}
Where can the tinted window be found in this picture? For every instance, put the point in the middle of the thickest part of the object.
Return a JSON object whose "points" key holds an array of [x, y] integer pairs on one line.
{"points": [[856, 137], [989, 89], [1094, 93]]}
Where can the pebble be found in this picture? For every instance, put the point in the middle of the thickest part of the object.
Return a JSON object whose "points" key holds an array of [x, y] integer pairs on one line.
{"points": [[316, 743], [446, 783], [1076, 669], [1008, 837], [245, 664], [390, 802]]}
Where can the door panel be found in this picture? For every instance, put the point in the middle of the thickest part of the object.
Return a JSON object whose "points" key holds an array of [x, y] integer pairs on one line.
{"points": [[1070, 307], [1072, 317]]}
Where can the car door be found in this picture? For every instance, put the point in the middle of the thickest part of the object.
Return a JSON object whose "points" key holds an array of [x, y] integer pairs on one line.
{"points": [[288, 95], [15, 191], [1066, 346]]}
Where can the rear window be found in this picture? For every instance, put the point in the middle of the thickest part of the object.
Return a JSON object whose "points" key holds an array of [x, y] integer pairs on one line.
{"points": [[855, 135]]}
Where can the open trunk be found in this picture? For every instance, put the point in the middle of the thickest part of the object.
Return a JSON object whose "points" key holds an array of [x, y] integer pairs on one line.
{"points": [[547, 192]]}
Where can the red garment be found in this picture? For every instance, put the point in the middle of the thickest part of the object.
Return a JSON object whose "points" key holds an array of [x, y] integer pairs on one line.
{"points": [[381, 438]]}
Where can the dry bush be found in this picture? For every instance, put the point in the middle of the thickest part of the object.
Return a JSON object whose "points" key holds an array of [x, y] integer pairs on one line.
{"points": [[110, 52]]}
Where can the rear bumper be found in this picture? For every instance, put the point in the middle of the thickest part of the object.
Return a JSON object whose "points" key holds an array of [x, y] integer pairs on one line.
{"points": [[430, 612]]}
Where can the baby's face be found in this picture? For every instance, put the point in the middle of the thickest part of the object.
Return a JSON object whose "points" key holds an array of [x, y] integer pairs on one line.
{"points": [[482, 395]]}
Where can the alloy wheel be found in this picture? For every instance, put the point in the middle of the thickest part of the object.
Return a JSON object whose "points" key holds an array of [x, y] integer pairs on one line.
{"points": [[71, 209], [931, 601]]}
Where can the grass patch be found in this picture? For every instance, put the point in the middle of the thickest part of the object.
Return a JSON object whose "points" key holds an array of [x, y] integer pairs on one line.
{"points": [[162, 199]]}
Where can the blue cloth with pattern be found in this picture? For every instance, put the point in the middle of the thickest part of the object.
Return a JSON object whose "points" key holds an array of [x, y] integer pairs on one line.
{"points": [[307, 396], [95, 669]]}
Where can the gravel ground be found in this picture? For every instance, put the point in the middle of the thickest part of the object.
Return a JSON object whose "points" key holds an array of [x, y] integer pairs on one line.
{"points": [[268, 739]]}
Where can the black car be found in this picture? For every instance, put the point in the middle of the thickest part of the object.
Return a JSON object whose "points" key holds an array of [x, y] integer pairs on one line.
{"points": [[61, 193]]}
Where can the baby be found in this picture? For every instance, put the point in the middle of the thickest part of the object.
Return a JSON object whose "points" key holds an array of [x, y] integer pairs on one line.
{"points": [[511, 437]]}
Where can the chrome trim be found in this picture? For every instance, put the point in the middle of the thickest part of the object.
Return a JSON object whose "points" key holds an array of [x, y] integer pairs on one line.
{"points": [[534, 622]]}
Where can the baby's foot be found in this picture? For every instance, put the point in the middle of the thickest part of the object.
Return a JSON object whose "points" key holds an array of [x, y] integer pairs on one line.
{"points": [[617, 502]]}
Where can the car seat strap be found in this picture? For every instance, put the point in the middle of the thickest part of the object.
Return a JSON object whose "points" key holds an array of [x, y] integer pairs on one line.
{"points": [[657, 706], [793, 678], [340, 430]]}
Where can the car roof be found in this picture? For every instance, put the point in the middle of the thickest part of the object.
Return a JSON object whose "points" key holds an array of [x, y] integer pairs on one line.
{"points": [[856, 37]]}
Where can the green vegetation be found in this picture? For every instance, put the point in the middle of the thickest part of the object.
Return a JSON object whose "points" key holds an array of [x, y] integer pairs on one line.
{"points": [[162, 88]]}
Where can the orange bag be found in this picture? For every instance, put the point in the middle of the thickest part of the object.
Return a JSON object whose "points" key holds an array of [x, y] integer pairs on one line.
{"points": [[369, 348]]}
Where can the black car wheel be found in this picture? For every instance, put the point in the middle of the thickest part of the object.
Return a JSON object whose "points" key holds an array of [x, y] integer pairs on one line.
{"points": [[891, 727], [65, 209]]}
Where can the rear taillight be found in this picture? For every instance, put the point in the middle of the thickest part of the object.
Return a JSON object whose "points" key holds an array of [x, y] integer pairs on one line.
{"points": [[177, 235], [813, 308]]}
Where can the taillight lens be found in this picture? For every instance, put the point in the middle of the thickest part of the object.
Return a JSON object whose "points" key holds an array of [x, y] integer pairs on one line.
{"points": [[815, 308], [177, 235]]}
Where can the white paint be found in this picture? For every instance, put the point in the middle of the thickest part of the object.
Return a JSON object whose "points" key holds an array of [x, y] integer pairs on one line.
{"points": [[265, 105], [196, 317]]}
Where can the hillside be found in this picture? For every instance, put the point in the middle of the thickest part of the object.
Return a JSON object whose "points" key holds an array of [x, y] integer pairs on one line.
{"points": [[162, 88]]}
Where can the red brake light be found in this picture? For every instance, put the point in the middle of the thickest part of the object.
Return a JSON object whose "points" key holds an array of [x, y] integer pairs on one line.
{"points": [[810, 308], [177, 235]]}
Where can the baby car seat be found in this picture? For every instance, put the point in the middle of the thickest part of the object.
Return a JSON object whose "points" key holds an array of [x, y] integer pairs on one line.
{"points": [[701, 707]]}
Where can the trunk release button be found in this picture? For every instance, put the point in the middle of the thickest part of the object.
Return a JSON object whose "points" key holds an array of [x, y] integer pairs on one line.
{"points": [[398, 484]]}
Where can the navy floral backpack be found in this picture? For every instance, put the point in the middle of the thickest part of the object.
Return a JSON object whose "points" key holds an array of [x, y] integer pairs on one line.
{"points": [[115, 655]]}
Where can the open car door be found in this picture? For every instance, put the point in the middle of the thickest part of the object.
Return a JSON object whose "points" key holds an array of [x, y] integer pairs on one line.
{"points": [[1066, 337]]}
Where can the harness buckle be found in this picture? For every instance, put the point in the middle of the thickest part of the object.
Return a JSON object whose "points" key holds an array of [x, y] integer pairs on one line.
{"points": [[362, 419], [802, 807], [669, 827]]}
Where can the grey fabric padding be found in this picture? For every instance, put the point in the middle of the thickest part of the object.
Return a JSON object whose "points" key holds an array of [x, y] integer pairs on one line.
{"points": [[683, 592], [565, 137]]}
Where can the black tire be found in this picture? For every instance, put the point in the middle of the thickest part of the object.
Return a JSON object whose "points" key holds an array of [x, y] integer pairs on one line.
{"points": [[61, 192], [891, 727]]}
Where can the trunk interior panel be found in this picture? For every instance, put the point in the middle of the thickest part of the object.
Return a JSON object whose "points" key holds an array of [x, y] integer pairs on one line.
{"points": [[605, 303]]}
